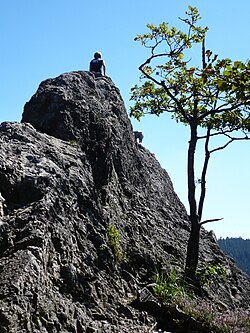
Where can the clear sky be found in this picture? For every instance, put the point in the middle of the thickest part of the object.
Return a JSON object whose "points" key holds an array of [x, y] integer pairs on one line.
{"points": [[45, 38]]}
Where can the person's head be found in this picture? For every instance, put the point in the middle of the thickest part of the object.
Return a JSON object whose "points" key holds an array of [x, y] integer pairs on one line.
{"points": [[97, 55]]}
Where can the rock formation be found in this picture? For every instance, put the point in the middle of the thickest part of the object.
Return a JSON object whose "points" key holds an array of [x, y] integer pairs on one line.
{"points": [[69, 171]]}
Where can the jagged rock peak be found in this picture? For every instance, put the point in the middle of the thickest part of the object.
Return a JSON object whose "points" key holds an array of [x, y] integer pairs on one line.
{"points": [[77, 107], [69, 171], [69, 104]]}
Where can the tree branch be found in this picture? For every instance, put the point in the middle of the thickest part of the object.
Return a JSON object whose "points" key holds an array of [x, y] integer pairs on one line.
{"points": [[203, 176], [228, 143], [162, 84], [212, 220], [225, 132], [203, 54], [226, 107]]}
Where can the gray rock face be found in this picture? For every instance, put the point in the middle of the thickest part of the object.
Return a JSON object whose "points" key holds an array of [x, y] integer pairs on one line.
{"points": [[67, 172]]}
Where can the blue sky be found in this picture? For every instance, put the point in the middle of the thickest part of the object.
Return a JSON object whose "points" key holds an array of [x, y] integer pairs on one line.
{"points": [[43, 39]]}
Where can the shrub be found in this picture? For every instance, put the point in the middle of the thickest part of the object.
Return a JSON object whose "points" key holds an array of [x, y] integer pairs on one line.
{"points": [[114, 242], [206, 274]]}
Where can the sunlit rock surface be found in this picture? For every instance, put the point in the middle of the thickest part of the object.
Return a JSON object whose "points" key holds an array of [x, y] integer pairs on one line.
{"points": [[69, 170]]}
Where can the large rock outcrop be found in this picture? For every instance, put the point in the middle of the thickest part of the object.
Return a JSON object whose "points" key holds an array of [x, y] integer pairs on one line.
{"points": [[67, 172]]}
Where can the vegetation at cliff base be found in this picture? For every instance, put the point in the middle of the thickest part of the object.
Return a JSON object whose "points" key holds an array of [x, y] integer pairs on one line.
{"points": [[174, 290]]}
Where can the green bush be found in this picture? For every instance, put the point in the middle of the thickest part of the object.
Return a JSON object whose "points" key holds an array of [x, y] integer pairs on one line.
{"points": [[114, 242], [207, 274]]}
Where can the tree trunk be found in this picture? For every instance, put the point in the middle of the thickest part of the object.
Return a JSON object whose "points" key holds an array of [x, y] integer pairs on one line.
{"points": [[193, 248], [194, 238]]}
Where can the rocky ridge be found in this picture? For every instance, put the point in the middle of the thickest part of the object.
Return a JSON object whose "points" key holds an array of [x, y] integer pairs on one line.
{"points": [[69, 170]]}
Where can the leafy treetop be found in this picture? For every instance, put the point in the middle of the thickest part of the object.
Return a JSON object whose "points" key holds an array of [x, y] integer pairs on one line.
{"points": [[215, 95]]}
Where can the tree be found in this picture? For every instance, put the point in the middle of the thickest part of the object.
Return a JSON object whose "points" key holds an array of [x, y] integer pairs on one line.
{"points": [[212, 99]]}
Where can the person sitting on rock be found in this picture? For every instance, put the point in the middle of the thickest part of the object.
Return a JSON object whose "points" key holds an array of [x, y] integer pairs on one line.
{"points": [[97, 64], [138, 136]]}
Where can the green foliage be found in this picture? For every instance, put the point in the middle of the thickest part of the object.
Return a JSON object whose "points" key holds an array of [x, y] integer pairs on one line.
{"points": [[174, 289], [206, 274], [170, 287], [114, 242], [74, 143], [215, 96]]}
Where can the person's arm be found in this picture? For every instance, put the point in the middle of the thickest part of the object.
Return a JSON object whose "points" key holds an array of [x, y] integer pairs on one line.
{"points": [[104, 68]]}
